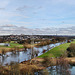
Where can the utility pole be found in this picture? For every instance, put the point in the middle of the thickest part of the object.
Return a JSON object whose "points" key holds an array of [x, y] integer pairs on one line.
{"points": [[32, 46]]}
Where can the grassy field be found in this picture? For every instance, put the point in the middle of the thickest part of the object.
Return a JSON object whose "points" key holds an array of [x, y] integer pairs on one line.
{"points": [[15, 45], [57, 51], [12, 45], [73, 41]]}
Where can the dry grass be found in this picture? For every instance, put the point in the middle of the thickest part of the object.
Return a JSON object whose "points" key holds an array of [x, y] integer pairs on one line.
{"points": [[30, 68]]}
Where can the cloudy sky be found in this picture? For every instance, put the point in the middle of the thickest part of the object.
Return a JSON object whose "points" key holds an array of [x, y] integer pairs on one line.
{"points": [[37, 17]]}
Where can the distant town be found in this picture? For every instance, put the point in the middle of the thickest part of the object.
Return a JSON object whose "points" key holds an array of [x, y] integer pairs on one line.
{"points": [[24, 37]]}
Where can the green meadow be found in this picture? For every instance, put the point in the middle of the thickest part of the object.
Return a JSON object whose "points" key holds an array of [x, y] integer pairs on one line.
{"points": [[13, 44], [56, 51]]}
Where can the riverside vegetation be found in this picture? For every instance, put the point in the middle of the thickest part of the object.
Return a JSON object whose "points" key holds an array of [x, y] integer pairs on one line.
{"points": [[30, 67]]}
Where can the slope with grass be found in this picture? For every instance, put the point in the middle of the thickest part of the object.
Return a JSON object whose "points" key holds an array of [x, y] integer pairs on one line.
{"points": [[57, 51]]}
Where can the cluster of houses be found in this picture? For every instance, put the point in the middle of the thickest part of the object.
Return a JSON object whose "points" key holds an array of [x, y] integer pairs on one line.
{"points": [[17, 37], [22, 37], [25, 37]]}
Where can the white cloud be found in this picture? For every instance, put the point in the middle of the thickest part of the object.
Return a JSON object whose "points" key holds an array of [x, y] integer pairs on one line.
{"points": [[13, 29]]}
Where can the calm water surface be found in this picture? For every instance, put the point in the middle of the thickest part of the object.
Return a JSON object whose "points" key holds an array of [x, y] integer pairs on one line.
{"points": [[24, 55]]}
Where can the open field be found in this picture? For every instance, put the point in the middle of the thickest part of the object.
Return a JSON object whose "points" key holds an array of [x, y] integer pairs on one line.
{"points": [[14, 45]]}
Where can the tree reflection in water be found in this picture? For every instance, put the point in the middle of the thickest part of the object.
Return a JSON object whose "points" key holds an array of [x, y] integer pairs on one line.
{"points": [[62, 68]]}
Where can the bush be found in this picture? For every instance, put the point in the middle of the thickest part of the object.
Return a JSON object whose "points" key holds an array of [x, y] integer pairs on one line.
{"points": [[71, 50]]}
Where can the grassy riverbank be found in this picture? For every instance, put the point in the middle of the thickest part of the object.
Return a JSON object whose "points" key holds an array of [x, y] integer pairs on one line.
{"points": [[14, 46], [56, 51], [37, 64]]}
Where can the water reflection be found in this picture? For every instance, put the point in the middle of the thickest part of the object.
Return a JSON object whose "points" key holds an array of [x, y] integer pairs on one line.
{"points": [[25, 55], [55, 70]]}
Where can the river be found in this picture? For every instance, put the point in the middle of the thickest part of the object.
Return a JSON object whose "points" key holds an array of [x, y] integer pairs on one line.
{"points": [[25, 55]]}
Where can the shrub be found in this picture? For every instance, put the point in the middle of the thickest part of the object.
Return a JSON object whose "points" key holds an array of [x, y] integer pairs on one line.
{"points": [[71, 50]]}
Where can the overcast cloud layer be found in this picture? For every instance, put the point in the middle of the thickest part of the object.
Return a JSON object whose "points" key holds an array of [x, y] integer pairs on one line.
{"points": [[37, 16], [12, 29]]}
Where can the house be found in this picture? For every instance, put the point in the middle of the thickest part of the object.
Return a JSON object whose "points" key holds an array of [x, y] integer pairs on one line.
{"points": [[7, 44], [4, 44]]}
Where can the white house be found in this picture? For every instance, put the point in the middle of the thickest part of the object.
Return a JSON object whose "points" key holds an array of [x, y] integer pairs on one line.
{"points": [[4, 44]]}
